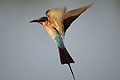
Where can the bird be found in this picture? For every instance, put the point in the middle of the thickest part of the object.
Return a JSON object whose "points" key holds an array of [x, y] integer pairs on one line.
{"points": [[56, 22]]}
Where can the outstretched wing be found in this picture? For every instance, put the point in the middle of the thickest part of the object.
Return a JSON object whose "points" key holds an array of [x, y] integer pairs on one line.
{"points": [[55, 19], [70, 16]]}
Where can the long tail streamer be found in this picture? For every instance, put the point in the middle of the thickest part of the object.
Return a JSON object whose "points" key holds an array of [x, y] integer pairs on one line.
{"points": [[71, 71]]}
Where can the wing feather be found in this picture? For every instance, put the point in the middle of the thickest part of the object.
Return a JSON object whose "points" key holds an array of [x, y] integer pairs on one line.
{"points": [[70, 16], [55, 19]]}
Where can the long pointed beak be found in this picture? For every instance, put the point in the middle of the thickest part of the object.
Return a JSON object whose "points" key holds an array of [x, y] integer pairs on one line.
{"points": [[34, 21]]}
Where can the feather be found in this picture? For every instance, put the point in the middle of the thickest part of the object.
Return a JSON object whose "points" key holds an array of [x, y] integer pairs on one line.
{"points": [[55, 19], [71, 15]]}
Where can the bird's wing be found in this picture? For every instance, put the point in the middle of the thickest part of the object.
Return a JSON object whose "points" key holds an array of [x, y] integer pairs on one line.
{"points": [[70, 16], [55, 19]]}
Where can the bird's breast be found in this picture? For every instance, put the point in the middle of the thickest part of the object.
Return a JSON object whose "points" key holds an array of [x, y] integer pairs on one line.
{"points": [[51, 31]]}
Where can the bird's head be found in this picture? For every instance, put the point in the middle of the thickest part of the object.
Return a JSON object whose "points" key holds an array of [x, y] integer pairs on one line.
{"points": [[40, 20]]}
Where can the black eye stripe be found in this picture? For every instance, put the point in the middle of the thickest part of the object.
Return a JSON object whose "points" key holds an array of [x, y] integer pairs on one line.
{"points": [[41, 20]]}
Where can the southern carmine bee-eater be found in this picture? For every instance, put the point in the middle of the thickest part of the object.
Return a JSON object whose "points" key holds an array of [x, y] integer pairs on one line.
{"points": [[56, 23]]}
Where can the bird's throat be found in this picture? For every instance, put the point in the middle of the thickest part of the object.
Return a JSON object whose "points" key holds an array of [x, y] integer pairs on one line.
{"points": [[43, 23]]}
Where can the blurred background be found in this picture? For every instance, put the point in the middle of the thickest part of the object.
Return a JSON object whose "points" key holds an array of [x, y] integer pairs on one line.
{"points": [[28, 53]]}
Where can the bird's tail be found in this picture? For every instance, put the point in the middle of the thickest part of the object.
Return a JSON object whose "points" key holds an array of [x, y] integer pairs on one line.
{"points": [[65, 58]]}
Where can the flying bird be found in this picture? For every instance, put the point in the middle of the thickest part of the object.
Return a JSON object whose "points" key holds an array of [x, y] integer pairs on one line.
{"points": [[56, 22]]}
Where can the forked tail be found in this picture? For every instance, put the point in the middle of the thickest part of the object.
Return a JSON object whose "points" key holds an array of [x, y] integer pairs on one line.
{"points": [[65, 58]]}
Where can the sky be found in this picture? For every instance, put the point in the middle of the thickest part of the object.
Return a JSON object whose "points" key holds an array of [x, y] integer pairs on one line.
{"points": [[28, 53]]}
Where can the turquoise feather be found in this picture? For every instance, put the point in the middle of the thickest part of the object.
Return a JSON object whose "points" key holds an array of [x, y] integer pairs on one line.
{"points": [[58, 39]]}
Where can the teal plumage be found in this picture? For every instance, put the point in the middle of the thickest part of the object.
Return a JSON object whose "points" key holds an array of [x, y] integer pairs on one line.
{"points": [[59, 41]]}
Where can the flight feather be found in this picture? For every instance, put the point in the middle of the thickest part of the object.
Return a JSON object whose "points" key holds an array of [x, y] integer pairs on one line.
{"points": [[71, 15], [55, 19]]}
